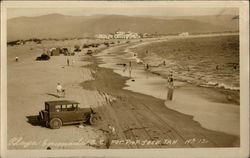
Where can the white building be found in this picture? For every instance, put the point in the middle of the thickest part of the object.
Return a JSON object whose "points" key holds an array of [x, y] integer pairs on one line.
{"points": [[184, 34], [119, 35], [101, 36], [110, 36]]}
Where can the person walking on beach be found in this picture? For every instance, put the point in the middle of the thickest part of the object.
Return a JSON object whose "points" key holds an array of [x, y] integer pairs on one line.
{"points": [[16, 59], [170, 87], [59, 90]]}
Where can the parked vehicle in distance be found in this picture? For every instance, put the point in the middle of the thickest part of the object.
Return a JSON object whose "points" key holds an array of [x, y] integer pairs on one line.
{"points": [[43, 57], [62, 112], [89, 52]]}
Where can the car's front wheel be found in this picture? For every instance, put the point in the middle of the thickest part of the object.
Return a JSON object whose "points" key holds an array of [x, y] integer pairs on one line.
{"points": [[55, 123], [93, 120]]}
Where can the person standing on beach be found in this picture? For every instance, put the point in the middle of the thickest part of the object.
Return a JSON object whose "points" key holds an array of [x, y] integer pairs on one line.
{"points": [[111, 135], [217, 67], [170, 87], [164, 63], [16, 59], [68, 61], [124, 67], [130, 68], [59, 90]]}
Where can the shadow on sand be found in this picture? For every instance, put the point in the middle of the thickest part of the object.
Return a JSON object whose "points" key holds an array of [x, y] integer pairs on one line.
{"points": [[33, 120], [54, 95]]}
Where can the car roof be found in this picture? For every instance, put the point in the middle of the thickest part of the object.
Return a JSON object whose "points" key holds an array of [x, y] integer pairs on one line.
{"points": [[61, 102]]}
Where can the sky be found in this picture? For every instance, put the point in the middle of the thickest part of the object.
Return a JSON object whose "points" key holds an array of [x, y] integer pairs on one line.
{"points": [[129, 11]]}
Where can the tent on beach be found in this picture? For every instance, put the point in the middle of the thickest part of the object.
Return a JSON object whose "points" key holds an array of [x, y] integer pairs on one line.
{"points": [[55, 51], [65, 51], [60, 51]]}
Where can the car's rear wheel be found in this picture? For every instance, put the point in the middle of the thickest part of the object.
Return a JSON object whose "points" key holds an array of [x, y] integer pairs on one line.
{"points": [[93, 120], [55, 123]]}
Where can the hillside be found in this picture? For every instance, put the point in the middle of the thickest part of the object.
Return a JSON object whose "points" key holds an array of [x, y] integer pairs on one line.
{"points": [[62, 26]]}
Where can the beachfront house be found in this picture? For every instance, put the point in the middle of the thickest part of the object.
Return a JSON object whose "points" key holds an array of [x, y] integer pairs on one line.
{"points": [[110, 36], [185, 34], [145, 35], [132, 35], [101, 36], [104, 36], [119, 35]]}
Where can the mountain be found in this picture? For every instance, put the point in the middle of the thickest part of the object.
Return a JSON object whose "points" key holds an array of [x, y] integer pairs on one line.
{"points": [[62, 26]]}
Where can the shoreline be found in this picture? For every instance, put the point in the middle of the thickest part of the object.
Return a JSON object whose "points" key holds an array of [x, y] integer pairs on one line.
{"points": [[200, 78], [212, 99], [117, 90]]}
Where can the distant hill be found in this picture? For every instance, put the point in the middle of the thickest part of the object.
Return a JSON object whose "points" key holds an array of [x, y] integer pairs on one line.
{"points": [[62, 26]]}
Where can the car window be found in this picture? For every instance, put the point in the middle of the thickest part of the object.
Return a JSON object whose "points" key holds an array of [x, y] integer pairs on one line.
{"points": [[70, 107], [75, 106], [64, 108], [58, 108]]}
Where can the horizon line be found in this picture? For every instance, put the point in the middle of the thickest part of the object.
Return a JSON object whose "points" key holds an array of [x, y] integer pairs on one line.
{"points": [[143, 15]]}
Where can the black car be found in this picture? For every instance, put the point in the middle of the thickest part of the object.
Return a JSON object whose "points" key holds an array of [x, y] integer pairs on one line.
{"points": [[60, 112]]}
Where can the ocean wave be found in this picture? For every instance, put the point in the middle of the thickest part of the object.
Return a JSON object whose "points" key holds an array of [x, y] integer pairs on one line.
{"points": [[184, 78], [223, 85]]}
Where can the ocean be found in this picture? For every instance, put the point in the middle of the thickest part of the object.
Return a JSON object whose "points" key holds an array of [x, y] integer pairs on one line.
{"points": [[204, 61], [209, 100]]}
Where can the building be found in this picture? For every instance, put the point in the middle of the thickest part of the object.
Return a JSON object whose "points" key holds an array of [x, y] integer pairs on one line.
{"points": [[101, 36], [184, 34], [119, 35]]}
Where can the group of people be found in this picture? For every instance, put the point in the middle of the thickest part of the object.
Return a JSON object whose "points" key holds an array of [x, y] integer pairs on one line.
{"points": [[170, 80], [125, 68]]}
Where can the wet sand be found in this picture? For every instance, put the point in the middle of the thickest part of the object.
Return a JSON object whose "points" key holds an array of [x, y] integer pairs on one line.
{"points": [[142, 117], [200, 102]]}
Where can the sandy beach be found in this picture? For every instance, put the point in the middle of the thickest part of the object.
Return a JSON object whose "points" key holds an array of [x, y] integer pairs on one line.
{"points": [[141, 120], [31, 83]]}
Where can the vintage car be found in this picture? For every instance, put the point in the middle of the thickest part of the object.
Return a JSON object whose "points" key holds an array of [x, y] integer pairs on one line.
{"points": [[61, 112], [89, 52]]}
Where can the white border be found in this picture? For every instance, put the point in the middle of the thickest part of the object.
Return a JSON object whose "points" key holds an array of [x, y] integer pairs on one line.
{"points": [[243, 151]]}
